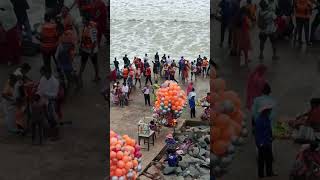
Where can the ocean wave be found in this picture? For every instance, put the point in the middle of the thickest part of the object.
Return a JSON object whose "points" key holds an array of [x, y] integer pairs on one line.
{"points": [[160, 20]]}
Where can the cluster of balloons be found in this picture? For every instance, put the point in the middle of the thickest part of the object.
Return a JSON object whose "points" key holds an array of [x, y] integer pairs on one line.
{"points": [[125, 157], [227, 118], [170, 101]]}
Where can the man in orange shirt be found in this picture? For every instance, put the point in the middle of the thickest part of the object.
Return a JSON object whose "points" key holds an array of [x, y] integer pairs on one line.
{"points": [[125, 74], [303, 13], [49, 41]]}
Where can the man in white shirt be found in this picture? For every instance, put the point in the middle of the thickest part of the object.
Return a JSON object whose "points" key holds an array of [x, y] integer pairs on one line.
{"points": [[169, 60], [125, 89], [48, 86], [192, 94], [48, 90], [146, 93]]}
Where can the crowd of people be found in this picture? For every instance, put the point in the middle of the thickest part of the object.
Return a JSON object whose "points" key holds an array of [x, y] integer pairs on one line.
{"points": [[30, 104], [275, 20], [161, 69]]}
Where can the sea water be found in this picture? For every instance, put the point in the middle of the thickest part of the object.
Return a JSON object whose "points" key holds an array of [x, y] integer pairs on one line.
{"points": [[172, 27]]}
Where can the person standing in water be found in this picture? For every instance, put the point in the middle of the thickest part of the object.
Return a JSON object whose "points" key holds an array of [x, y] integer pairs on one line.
{"points": [[116, 64], [156, 57], [126, 60]]}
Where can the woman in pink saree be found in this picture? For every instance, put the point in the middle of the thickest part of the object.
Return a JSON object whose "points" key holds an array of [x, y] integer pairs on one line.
{"points": [[256, 82]]}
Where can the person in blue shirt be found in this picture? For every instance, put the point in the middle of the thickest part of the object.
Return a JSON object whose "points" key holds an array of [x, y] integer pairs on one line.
{"points": [[260, 101], [192, 103], [181, 65], [263, 139]]}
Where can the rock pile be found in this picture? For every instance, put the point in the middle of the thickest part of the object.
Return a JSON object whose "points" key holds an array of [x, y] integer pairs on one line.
{"points": [[194, 164]]}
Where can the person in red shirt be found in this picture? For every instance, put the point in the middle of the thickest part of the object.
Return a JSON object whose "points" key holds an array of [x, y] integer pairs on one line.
{"points": [[136, 62], [125, 73], [138, 76], [100, 17], [140, 65], [148, 75]]}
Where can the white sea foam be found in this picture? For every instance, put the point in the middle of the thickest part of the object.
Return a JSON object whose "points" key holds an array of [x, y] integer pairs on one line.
{"points": [[174, 27]]}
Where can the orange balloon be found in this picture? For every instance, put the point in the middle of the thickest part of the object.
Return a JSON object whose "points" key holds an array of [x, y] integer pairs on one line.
{"points": [[120, 164], [135, 163], [129, 165], [219, 85], [125, 158], [215, 134], [113, 140], [228, 133], [112, 134], [215, 97], [233, 97], [238, 117], [119, 155], [112, 168], [124, 171], [236, 127], [118, 172], [113, 154], [118, 146], [129, 158], [112, 173], [114, 161], [222, 121], [219, 147]]}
